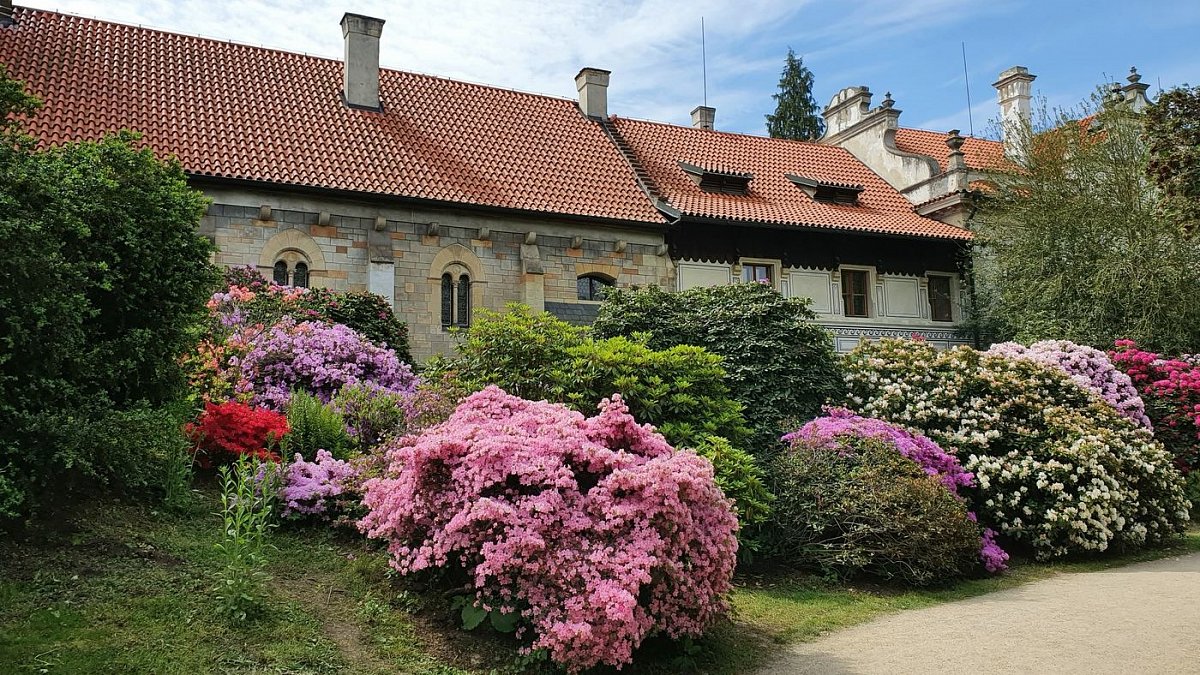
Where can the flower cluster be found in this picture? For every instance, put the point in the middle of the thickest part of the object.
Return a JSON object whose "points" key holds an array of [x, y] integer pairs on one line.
{"points": [[1057, 470], [1171, 389], [828, 431], [308, 485], [231, 429], [318, 358], [1089, 367], [594, 529]]}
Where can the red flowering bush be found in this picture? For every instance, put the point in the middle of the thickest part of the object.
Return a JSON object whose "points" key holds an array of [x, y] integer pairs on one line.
{"points": [[231, 429], [1171, 390], [594, 530]]}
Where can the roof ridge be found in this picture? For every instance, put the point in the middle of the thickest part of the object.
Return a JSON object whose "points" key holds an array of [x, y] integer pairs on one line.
{"points": [[947, 134], [290, 52], [641, 120]]}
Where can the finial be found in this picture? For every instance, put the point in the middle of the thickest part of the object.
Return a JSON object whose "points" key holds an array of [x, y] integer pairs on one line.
{"points": [[955, 140], [1133, 78], [887, 100]]}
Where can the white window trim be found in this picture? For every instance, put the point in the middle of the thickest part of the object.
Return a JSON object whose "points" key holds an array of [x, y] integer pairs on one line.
{"points": [[955, 298], [775, 264], [874, 292]]}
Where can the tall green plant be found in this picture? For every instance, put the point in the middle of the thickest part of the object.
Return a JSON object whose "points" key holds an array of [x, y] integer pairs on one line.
{"points": [[1071, 242], [248, 495], [312, 426], [797, 115]]}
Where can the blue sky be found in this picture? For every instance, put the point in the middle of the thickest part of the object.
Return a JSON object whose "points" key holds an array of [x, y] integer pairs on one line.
{"points": [[653, 46]]}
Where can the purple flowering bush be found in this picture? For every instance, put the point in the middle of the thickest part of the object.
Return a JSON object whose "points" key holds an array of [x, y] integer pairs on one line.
{"points": [[317, 358], [594, 531], [1057, 470], [860, 495], [309, 488], [1088, 367]]}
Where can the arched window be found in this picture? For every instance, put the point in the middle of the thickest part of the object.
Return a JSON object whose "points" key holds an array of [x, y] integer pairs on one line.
{"points": [[456, 298], [291, 269], [447, 300], [593, 286], [462, 315]]}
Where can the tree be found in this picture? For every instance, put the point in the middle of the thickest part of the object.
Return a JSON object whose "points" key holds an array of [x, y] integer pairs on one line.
{"points": [[106, 277], [1071, 242], [796, 113], [1173, 132]]}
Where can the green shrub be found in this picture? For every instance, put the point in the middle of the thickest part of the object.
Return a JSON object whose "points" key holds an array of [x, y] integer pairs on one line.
{"points": [[778, 362], [111, 277], [312, 426], [248, 495], [367, 313], [741, 479], [371, 414], [868, 510]]}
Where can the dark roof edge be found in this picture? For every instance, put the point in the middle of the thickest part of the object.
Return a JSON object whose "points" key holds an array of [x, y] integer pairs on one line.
{"points": [[810, 227], [377, 198]]}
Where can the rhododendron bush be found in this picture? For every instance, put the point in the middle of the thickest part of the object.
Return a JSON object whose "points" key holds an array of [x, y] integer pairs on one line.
{"points": [[309, 487], [900, 529], [1057, 469], [227, 431], [1089, 367], [318, 358], [1171, 389], [594, 529]]}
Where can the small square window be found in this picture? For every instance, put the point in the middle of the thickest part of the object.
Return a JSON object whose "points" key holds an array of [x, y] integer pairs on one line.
{"points": [[940, 306], [854, 292], [763, 274]]}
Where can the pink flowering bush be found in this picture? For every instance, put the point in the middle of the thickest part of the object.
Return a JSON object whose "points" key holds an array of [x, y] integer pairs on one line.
{"points": [[1171, 389], [309, 487], [1088, 367], [594, 530], [838, 449], [318, 358]]}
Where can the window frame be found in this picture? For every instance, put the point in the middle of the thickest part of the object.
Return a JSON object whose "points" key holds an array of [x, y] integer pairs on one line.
{"points": [[867, 277], [602, 279], [949, 280], [773, 270]]}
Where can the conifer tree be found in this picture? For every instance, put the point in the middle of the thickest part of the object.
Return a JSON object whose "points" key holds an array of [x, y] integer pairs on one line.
{"points": [[796, 113]]}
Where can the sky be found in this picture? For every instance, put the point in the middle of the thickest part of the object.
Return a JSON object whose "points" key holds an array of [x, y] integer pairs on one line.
{"points": [[912, 48]]}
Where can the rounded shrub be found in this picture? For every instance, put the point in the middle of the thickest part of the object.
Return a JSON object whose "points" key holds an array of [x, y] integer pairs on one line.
{"points": [[779, 363], [1058, 470], [593, 531]]}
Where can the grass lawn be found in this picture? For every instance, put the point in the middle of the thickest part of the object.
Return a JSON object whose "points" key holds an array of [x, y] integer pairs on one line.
{"points": [[121, 588]]}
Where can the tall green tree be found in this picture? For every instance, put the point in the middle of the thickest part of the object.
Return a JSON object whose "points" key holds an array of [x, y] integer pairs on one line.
{"points": [[1072, 242], [1173, 132], [797, 115]]}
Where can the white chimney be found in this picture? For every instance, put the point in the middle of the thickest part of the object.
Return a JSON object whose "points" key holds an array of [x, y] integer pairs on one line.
{"points": [[360, 83], [703, 117], [592, 84], [1015, 91]]}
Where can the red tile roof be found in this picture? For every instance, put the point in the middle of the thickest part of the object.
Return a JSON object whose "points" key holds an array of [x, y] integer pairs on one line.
{"points": [[235, 111], [772, 198], [981, 153]]}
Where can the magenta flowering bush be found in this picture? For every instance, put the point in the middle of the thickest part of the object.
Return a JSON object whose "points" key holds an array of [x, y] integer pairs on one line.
{"points": [[309, 487], [595, 530], [1088, 367], [830, 432], [318, 358]]}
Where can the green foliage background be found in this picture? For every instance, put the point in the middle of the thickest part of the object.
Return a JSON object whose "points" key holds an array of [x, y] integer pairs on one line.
{"points": [[797, 115]]}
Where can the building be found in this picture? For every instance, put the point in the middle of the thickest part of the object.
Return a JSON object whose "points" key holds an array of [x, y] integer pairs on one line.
{"points": [[445, 196]]}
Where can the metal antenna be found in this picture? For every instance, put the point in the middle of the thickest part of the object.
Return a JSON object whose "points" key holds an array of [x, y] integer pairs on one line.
{"points": [[967, 83], [704, 62]]}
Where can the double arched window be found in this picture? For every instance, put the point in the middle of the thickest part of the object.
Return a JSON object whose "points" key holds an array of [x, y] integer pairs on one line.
{"points": [[291, 269], [593, 286], [456, 297]]}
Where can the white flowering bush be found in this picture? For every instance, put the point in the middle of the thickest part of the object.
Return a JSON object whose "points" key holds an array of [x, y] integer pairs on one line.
{"points": [[1058, 470]]}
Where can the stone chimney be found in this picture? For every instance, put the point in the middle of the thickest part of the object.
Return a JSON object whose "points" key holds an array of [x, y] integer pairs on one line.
{"points": [[1015, 90], [703, 117], [592, 84], [1135, 92], [6, 13], [360, 82]]}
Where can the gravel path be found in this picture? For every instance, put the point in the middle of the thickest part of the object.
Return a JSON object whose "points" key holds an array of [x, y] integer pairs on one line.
{"points": [[1144, 618]]}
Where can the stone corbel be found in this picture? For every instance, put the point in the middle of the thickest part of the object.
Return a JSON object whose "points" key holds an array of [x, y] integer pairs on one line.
{"points": [[380, 224], [264, 212], [485, 233], [621, 245]]}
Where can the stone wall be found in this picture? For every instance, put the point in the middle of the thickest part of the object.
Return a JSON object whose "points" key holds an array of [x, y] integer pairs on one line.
{"points": [[351, 245]]}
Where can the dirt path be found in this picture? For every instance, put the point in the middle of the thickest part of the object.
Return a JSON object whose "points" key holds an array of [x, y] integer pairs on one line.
{"points": [[1143, 618]]}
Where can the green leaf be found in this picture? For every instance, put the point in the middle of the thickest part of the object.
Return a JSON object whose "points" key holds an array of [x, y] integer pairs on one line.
{"points": [[504, 623], [472, 616]]}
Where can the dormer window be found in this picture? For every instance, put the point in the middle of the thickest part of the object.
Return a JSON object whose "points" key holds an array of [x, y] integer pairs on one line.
{"points": [[721, 181], [827, 192]]}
